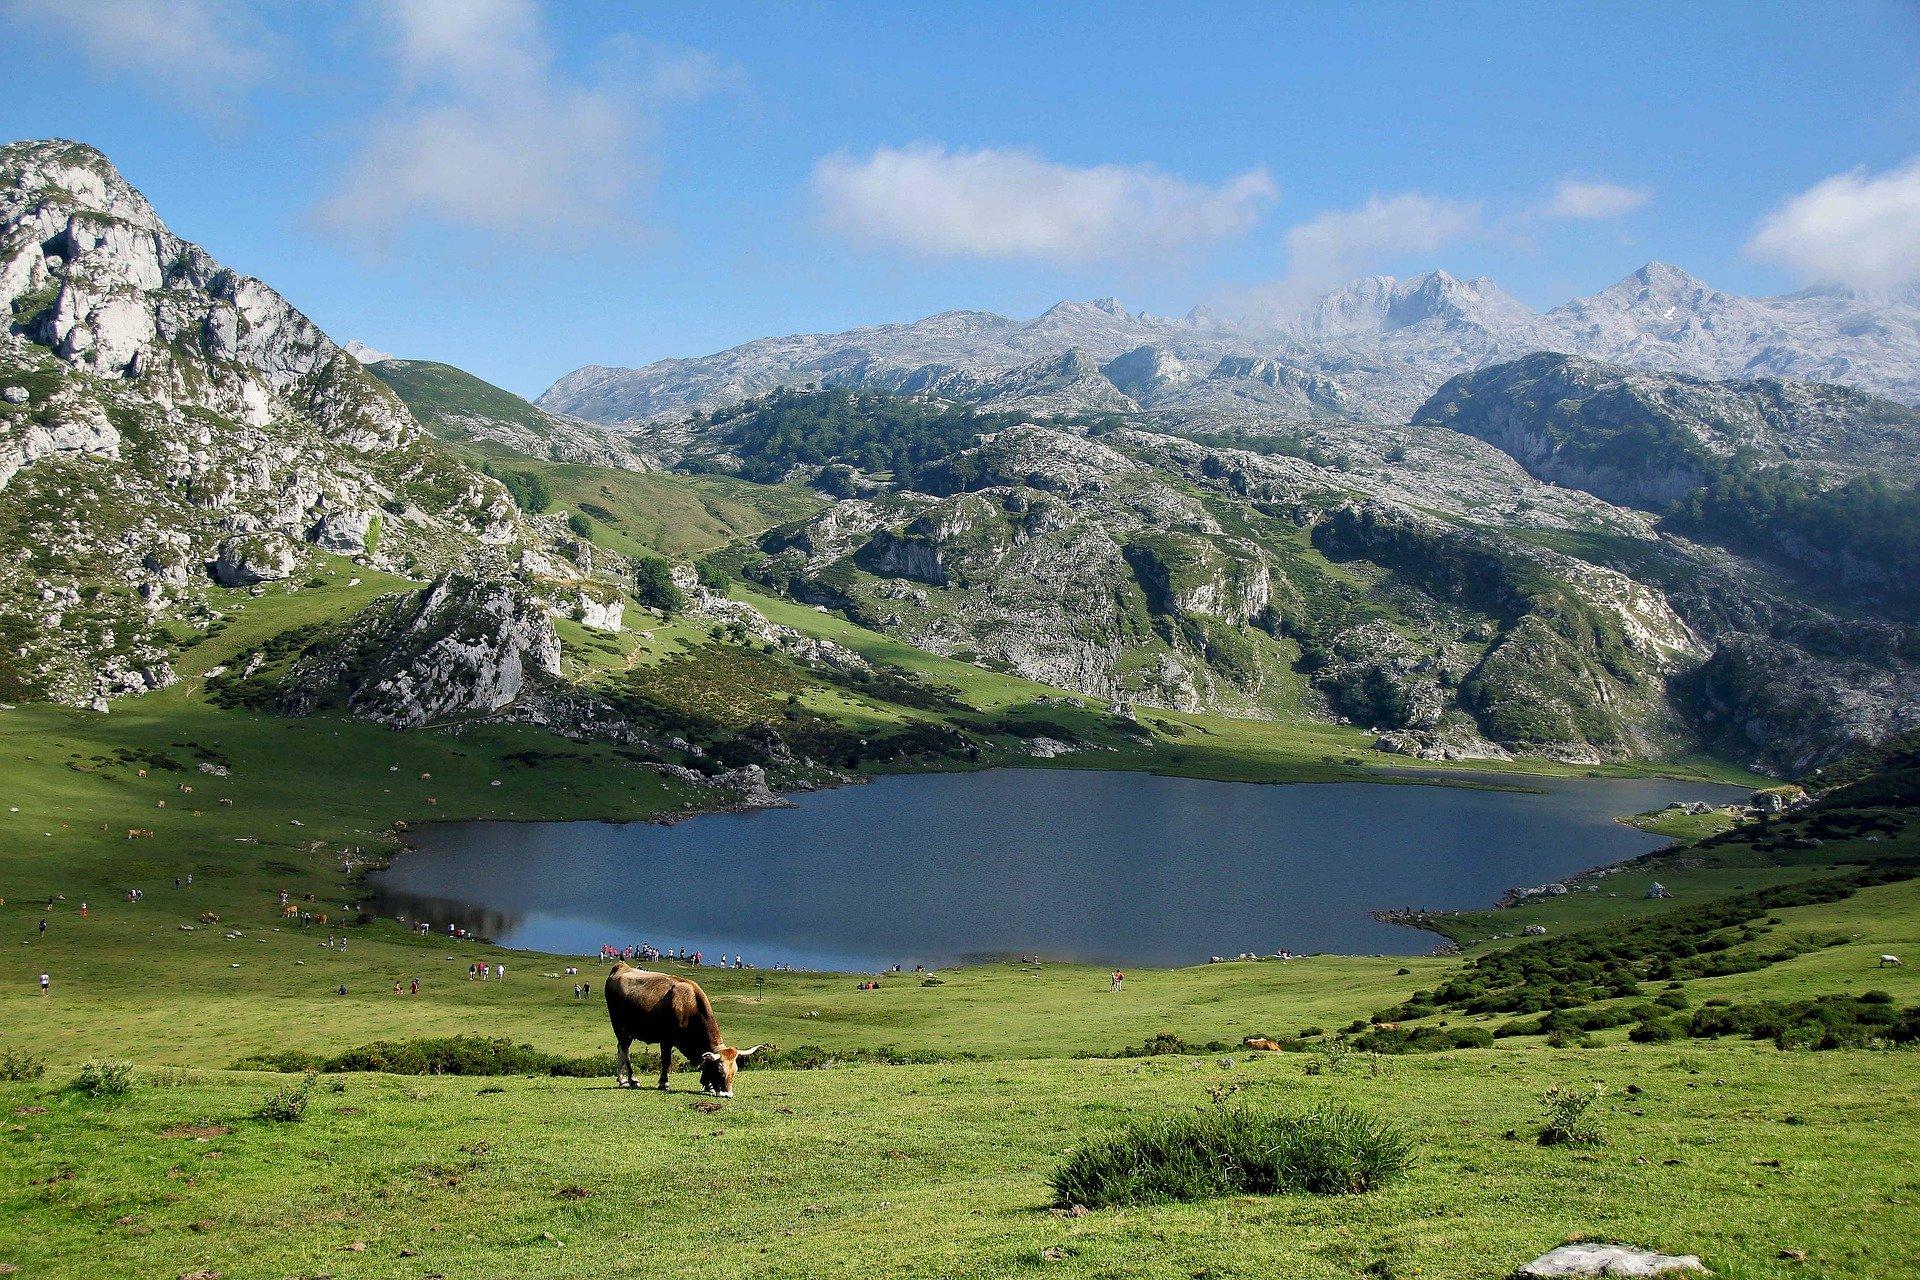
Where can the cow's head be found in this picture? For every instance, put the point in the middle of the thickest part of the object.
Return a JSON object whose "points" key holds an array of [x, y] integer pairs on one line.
{"points": [[717, 1067]]}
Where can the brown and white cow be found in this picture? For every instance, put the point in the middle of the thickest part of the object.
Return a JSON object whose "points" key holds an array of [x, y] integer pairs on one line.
{"points": [[672, 1013]]}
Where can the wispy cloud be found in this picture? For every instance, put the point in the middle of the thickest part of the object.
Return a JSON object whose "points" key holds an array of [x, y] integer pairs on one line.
{"points": [[1857, 228], [1587, 201], [488, 131], [206, 56], [1335, 246], [1015, 204]]}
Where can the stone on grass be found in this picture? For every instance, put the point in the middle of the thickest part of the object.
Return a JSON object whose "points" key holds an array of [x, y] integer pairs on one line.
{"points": [[1586, 1259]]}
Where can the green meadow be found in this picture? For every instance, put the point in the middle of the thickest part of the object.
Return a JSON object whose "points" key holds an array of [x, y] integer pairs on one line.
{"points": [[913, 1129]]}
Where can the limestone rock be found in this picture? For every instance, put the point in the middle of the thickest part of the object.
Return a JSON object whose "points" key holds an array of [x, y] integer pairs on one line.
{"points": [[1608, 1260], [247, 561]]}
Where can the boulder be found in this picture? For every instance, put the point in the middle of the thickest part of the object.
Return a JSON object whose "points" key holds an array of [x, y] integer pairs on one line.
{"points": [[1587, 1259], [342, 531], [250, 560]]}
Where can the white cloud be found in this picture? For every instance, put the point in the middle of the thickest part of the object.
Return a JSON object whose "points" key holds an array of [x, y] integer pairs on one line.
{"points": [[204, 55], [1857, 228], [1337, 246], [488, 132], [1015, 204], [1573, 198]]}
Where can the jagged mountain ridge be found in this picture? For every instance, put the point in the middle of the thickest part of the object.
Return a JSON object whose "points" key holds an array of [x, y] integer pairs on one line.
{"points": [[1376, 349]]}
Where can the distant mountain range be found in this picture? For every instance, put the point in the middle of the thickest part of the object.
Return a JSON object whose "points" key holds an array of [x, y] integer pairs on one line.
{"points": [[1373, 350]]}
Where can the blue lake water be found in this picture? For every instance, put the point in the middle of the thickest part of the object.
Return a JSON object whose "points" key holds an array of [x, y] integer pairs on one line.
{"points": [[1114, 868]]}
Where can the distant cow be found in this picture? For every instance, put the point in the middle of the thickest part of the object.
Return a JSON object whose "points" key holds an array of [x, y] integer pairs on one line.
{"points": [[1261, 1043], [673, 1013], [1889, 962]]}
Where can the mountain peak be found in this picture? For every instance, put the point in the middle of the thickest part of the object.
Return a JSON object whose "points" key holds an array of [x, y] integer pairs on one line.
{"points": [[1073, 308], [61, 171]]}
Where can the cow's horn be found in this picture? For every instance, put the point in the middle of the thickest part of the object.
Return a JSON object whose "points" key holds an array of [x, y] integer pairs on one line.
{"points": [[748, 1053], [709, 1056]]}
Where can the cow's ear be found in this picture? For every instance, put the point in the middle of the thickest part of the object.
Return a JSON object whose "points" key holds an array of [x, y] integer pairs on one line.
{"points": [[748, 1053]]}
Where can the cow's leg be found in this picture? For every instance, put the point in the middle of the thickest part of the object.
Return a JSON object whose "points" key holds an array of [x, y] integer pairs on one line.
{"points": [[622, 1066], [666, 1056]]}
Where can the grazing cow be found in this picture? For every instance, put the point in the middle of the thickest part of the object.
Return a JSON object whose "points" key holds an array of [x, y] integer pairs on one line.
{"points": [[1889, 962], [673, 1013], [1261, 1043]]}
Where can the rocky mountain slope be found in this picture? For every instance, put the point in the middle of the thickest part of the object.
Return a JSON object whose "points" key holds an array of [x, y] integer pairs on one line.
{"points": [[1648, 439], [1375, 349], [171, 431], [1410, 579], [456, 406]]}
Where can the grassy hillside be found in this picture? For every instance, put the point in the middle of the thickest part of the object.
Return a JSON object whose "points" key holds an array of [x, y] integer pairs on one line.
{"points": [[639, 512]]}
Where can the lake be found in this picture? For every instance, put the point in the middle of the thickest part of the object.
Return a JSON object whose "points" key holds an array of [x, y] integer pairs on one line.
{"points": [[1111, 868]]}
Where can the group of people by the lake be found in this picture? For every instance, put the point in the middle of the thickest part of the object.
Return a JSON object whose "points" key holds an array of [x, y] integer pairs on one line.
{"points": [[644, 952], [481, 971]]}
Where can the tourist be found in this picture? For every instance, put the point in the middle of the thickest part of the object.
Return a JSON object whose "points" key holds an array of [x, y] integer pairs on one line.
{"points": [[46, 980], [414, 988], [1118, 979], [500, 973]]}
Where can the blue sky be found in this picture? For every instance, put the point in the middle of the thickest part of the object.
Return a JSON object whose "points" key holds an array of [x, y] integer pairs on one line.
{"points": [[521, 188]]}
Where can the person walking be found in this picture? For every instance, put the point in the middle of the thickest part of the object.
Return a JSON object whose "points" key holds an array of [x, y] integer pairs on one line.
{"points": [[500, 973], [43, 924], [414, 987], [46, 981], [1118, 979]]}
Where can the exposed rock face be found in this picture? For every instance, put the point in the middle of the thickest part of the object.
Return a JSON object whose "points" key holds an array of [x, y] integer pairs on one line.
{"points": [[600, 614], [1648, 439], [462, 646]]}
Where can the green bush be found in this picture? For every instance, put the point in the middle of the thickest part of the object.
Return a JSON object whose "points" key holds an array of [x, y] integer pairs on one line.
{"points": [[653, 585], [102, 1079], [289, 1104], [17, 1066], [1570, 1119], [1226, 1151]]}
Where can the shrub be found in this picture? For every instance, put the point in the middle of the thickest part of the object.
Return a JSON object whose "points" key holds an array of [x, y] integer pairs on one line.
{"points": [[1224, 1151], [443, 1056], [653, 585], [1655, 1031], [16, 1066], [1569, 1116], [1329, 1057], [101, 1079], [289, 1104]]}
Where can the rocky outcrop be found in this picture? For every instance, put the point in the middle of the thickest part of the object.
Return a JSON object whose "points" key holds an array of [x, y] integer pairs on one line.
{"points": [[171, 430], [462, 646], [248, 561]]}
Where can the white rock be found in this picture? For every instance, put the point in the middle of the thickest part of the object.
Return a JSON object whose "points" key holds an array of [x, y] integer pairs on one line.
{"points": [[1608, 1260]]}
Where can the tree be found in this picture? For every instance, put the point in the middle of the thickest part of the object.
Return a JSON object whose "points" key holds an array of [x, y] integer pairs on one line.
{"points": [[653, 585]]}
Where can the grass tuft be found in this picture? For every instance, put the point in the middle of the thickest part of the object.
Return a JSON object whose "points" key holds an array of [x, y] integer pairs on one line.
{"points": [[1226, 1151]]}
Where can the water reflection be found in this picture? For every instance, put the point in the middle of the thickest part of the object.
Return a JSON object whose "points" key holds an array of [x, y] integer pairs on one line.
{"points": [[1104, 867]]}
